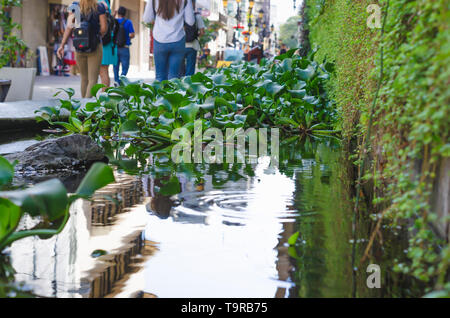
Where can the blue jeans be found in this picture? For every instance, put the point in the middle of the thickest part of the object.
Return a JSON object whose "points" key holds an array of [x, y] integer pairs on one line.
{"points": [[190, 56], [123, 54], [168, 57]]}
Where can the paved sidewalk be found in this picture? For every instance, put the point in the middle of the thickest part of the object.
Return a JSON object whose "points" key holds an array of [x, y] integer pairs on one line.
{"points": [[21, 114], [46, 86]]}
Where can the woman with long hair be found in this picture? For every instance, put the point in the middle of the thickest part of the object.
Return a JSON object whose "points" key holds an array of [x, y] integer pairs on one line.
{"points": [[169, 17], [88, 62]]}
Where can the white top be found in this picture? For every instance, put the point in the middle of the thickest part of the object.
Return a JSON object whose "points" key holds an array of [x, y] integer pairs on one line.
{"points": [[169, 31], [200, 25]]}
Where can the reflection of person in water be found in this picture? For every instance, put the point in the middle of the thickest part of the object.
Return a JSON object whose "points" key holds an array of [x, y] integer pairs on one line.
{"points": [[160, 205]]}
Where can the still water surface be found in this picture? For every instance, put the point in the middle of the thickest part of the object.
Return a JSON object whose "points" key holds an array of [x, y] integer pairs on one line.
{"points": [[219, 231]]}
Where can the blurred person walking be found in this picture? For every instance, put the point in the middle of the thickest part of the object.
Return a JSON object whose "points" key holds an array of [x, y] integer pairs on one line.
{"points": [[169, 17], [125, 32], [193, 33], [109, 46], [87, 42]]}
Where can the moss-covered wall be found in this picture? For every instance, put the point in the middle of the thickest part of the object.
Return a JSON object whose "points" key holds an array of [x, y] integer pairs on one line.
{"points": [[409, 143]]}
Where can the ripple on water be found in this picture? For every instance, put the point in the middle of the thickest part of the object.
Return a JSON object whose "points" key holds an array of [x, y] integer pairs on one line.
{"points": [[236, 207]]}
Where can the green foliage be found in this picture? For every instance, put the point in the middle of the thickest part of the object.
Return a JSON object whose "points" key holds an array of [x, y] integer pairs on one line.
{"points": [[6, 171], [289, 32], [11, 46], [48, 200], [211, 32], [411, 124], [143, 116], [293, 238], [99, 176]]}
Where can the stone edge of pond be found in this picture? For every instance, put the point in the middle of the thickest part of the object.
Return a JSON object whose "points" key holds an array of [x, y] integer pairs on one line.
{"points": [[16, 116]]}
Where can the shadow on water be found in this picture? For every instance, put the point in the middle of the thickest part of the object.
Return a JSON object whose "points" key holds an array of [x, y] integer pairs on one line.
{"points": [[217, 231]]}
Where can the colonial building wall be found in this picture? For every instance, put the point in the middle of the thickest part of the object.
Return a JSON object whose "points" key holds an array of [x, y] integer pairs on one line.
{"points": [[33, 16]]}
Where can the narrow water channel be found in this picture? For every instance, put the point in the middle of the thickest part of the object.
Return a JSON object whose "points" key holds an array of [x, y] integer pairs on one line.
{"points": [[217, 231]]}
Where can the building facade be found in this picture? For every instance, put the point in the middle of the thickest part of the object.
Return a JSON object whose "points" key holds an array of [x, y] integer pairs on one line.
{"points": [[44, 20]]}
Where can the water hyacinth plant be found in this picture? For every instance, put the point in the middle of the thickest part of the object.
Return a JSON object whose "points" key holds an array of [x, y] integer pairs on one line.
{"points": [[287, 92]]}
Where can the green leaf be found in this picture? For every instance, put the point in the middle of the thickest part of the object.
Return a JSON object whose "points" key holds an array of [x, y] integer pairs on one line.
{"points": [[97, 177], [305, 74], [166, 121], [48, 199], [189, 112], [273, 88], [298, 93], [69, 91], [219, 79], [133, 89], [129, 127], [220, 101], [209, 104], [128, 165], [9, 218], [293, 238], [98, 253], [170, 188], [68, 126], [286, 65], [96, 88], [287, 121], [240, 119], [76, 123], [175, 99], [6, 171], [200, 78], [91, 106], [198, 88]]}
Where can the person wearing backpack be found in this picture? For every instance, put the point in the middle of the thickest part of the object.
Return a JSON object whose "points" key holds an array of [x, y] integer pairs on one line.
{"points": [[125, 32], [109, 46], [169, 17], [193, 33], [87, 41]]}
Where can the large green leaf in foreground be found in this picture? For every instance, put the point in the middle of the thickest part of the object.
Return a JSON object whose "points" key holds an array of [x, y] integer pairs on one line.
{"points": [[98, 176], [6, 171], [48, 199]]}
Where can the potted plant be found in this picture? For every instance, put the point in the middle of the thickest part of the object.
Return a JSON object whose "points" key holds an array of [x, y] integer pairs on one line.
{"points": [[14, 76]]}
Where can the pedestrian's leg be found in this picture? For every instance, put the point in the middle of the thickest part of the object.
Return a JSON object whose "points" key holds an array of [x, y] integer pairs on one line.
{"points": [[104, 75], [117, 67], [125, 61], [183, 65], [176, 55], [81, 59], [191, 60], [161, 60], [94, 62]]}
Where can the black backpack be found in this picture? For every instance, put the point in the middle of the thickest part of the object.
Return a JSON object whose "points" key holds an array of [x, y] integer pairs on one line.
{"points": [[112, 29], [85, 38], [191, 31], [121, 38]]}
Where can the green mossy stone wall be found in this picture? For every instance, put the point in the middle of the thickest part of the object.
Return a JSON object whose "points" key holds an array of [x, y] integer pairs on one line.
{"points": [[410, 139]]}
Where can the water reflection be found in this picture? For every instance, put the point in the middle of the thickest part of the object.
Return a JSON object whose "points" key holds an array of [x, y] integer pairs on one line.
{"points": [[62, 266], [215, 231], [229, 236], [226, 239]]}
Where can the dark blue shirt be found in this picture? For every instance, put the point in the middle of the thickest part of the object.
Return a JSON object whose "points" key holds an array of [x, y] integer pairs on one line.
{"points": [[128, 25], [94, 18]]}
